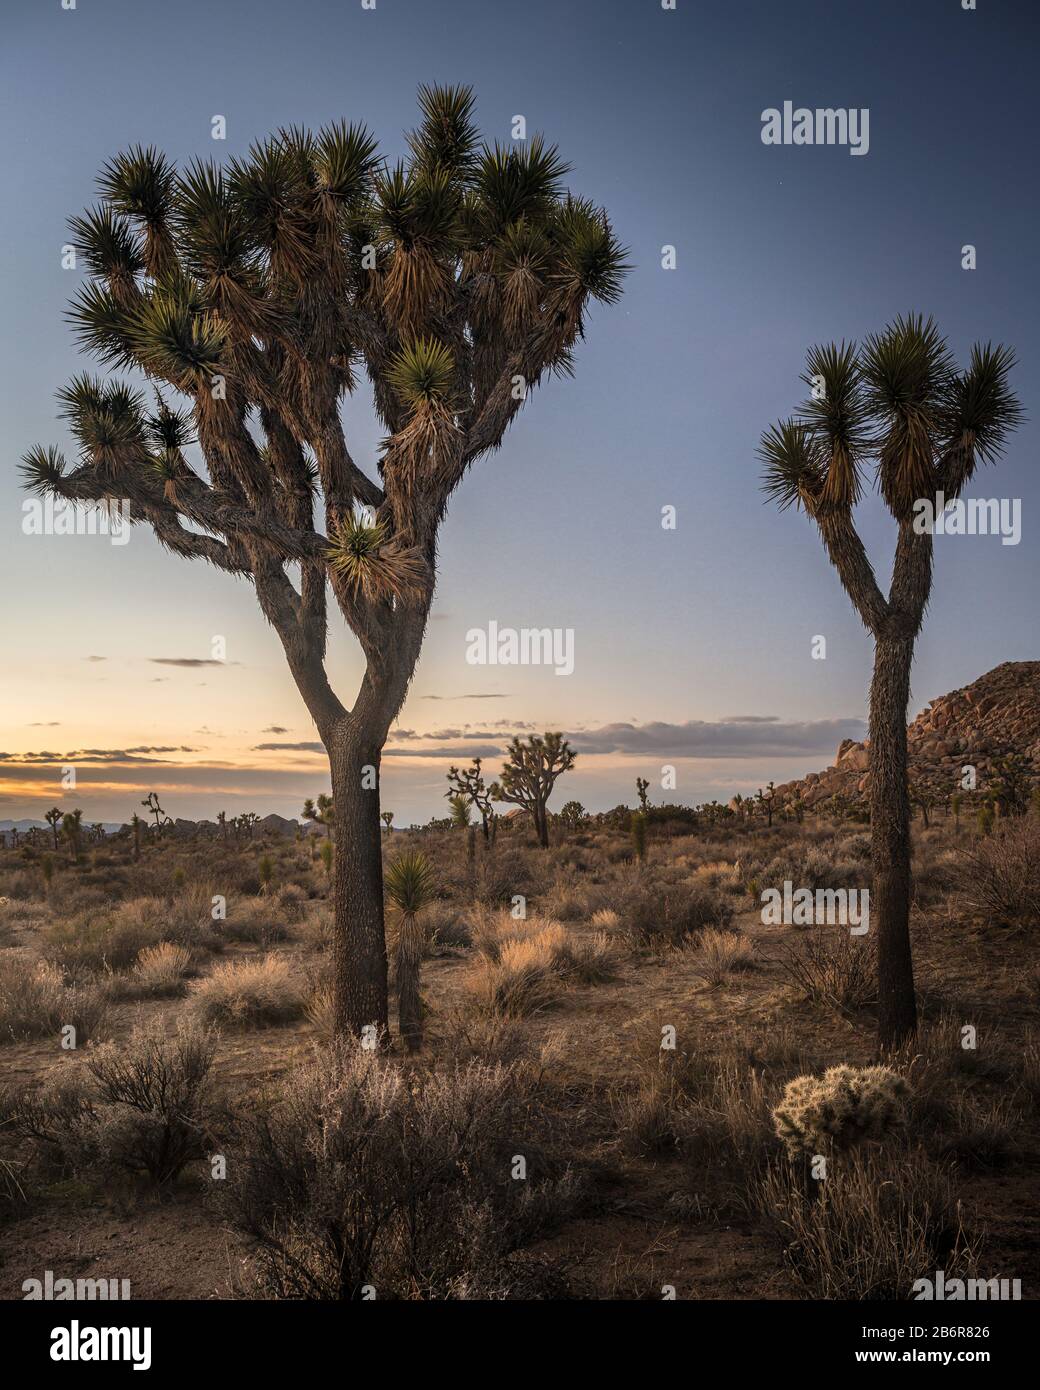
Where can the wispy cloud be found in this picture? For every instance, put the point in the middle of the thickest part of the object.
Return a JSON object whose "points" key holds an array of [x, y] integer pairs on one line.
{"points": [[141, 754], [274, 729], [489, 695], [189, 661], [745, 737], [288, 748]]}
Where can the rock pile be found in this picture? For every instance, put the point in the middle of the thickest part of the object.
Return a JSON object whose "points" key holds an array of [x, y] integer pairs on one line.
{"points": [[997, 714]]}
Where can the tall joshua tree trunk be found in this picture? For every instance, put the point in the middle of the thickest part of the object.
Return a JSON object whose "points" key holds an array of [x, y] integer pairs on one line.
{"points": [[360, 949], [890, 837]]}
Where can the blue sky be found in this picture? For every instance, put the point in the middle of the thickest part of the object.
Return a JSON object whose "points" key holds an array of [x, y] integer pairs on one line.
{"points": [[659, 114]]}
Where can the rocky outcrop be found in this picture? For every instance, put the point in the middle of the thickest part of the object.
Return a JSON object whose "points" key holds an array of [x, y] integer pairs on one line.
{"points": [[277, 825], [997, 714]]}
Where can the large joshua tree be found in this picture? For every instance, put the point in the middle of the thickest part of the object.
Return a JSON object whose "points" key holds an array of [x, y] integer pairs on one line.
{"points": [[898, 403], [253, 297]]}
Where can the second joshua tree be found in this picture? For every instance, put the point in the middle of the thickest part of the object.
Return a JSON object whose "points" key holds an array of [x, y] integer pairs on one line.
{"points": [[899, 403]]}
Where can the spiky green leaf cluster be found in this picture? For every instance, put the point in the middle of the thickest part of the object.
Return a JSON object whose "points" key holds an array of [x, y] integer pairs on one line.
{"points": [[410, 883], [900, 402]]}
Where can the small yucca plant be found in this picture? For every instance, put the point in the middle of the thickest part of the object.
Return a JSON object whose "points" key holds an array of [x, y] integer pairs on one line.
{"points": [[266, 872], [410, 885]]}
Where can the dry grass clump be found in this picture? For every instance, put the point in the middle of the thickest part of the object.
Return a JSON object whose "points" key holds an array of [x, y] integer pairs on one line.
{"points": [[144, 1106], [290, 902], [86, 943], [448, 928], [843, 1107], [522, 966], [718, 874], [710, 1110], [261, 921], [833, 968], [161, 970], [37, 1001], [362, 1176], [723, 953], [519, 978], [655, 913], [1000, 877], [248, 994], [869, 1229], [187, 916]]}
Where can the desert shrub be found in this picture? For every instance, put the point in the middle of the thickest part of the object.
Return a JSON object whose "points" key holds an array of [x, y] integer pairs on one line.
{"points": [[84, 943], [587, 959], [144, 1105], [79, 898], [843, 1107], [37, 1001], [319, 929], [606, 920], [161, 970], [874, 1226], [712, 1111], [981, 1134], [447, 926], [361, 1175], [258, 920], [1000, 879], [725, 1125], [20, 885], [564, 902], [248, 994], [320, 1009], [521, 965], [854, 848], [504, 875], [834, 968], [290, 902], [187, 917], [723, 953], [519, 978], [654, 913]]}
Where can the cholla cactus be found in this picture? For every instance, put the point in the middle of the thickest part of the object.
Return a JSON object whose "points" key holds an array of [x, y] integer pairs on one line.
{"points": [[839, 1109]]}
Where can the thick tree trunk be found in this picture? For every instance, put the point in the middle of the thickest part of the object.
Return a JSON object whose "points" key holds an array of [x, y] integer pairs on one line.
{"points": [[360, 944], [541, 825], [890, 839]]}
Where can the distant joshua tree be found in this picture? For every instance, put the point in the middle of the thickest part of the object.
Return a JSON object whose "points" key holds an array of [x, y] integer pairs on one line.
{"points": [[161, 818], [901, 403], [573, 815], [457, 280], [469, 783], [642, 787], [53, 818], [387, 817], [765, 800], [530, 774], [135, 824], [72, 829]]}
